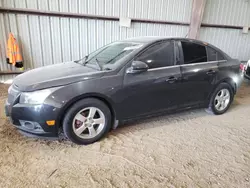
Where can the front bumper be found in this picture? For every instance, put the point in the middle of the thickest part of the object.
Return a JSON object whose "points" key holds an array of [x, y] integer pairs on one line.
{"points": [[31, 119]]}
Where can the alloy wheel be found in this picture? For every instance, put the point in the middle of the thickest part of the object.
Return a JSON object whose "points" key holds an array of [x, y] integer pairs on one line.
{"points": [[222, 99], [88, 122]]}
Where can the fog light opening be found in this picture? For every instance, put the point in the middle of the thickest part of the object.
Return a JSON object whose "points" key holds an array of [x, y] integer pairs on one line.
{"points": [[31, 125]]}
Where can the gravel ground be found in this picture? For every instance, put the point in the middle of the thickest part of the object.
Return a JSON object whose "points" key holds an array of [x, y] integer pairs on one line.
{"points": [[189, 149]]}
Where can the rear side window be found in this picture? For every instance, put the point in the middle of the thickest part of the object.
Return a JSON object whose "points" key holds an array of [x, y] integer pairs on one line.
{"points": [[220, 56], [159, 55], [214, 55], [211, 54], [193, 53]]}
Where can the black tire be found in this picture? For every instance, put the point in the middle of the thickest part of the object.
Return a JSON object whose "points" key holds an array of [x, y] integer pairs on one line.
{"points": [[78, 106], [212, 107]]}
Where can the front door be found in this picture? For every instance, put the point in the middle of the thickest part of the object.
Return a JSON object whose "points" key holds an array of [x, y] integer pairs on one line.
{"points": [[156, 89]]}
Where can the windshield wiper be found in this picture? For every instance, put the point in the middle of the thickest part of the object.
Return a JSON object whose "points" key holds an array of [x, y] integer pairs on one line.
{"points": [[86, 57], [98, 63]]}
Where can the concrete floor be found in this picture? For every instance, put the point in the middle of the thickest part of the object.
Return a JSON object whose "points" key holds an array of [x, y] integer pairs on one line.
{"points": [[189, 149]]}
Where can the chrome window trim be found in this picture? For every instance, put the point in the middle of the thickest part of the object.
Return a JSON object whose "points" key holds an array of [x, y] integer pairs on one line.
{"points": [[192, 64], [163, 68]]}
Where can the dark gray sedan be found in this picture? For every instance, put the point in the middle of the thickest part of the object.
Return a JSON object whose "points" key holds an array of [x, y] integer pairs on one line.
{"points": [[123, 80]]}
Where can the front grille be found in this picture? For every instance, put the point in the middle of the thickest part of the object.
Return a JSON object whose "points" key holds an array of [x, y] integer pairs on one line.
{"points": [[12, 94]]}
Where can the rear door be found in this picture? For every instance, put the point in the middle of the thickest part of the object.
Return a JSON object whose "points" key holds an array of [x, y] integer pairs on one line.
{"points": [[198, 72], [156, 89]]}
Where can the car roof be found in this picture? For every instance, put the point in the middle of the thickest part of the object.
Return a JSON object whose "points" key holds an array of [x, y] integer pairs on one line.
{"points": [[150, 39]]}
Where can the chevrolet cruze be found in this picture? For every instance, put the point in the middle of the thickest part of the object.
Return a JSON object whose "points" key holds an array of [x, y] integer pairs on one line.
{"points": [[123, 80]]}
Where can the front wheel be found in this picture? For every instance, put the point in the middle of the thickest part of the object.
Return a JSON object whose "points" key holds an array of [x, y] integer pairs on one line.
{"points": [[87, 121], [221, 99]]}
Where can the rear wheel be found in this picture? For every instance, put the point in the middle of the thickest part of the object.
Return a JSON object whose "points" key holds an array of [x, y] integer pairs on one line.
{"points": [[87, 121], [221, 99]]}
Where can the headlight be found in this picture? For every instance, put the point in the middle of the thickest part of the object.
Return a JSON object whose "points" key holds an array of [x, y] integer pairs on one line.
{"points": [[36, 97]]}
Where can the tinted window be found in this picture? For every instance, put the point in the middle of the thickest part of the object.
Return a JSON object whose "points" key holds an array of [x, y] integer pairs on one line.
{"points": [[193, 53], [159, 55], [220, 56], [213, 55]]}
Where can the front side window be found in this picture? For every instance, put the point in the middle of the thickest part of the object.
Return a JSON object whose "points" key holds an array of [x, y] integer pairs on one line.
{"points": [[159, 55], [193, 53]]}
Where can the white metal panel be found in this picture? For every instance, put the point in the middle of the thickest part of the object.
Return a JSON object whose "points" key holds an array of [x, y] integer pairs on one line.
{"points": [[231, 41], [116, 8], [46, 40], [100, 5], [83, 6], [32, 4], [8, 3], [35, 35], [74, 39], [65, 39], [233, 12], [84, 37], [100, 39], [25, 40], [64, 5], [170, 10], [53, 5], [108, 7], [43, 4], [74, 6], [20, 4], [3, 39], [92, 37], [91, 7]]}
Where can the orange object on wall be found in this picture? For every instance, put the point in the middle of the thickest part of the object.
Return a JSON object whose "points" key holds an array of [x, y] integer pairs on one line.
{"points": [[13, 54]]}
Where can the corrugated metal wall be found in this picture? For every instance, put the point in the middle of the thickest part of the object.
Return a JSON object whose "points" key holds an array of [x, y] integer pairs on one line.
{"points": [[228, 12], [171, 10], [47, 40], [231, 41]]}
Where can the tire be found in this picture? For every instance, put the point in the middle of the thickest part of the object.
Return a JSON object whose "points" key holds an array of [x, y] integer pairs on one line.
{"points": [[213, 104], [79, 116]]}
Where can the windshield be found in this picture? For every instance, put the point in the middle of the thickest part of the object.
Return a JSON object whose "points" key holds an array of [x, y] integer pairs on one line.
{"points": [[107, 57]]}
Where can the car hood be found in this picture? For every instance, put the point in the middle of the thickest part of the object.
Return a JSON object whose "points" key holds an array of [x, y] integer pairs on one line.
{"points": [[55, 75]]}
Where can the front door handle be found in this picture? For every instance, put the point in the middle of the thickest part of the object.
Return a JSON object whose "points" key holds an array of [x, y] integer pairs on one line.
{"points": [[171, 79], [211, 72]]}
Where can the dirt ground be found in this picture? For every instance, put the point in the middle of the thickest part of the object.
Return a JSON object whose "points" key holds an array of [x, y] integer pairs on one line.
{"points": [[189, 149]]}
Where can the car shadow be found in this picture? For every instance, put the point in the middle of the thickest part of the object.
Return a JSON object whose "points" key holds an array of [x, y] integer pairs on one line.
{"points": [[163, 119]]}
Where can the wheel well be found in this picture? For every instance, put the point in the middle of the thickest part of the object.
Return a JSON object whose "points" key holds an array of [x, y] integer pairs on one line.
{"points": [[231, 83], [67, 107]]}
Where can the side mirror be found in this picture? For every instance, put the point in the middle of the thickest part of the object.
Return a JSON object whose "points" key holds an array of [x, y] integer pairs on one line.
{"points": [[137, 67]]}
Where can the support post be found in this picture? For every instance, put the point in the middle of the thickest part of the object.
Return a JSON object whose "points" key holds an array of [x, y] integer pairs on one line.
{"points": [[196, 18]]}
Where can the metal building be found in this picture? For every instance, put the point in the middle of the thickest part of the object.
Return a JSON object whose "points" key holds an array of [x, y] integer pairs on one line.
{"points": [[53, 31]]}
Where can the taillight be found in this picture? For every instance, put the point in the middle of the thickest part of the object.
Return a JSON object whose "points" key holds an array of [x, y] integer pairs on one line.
{"points": [[242, 67]]}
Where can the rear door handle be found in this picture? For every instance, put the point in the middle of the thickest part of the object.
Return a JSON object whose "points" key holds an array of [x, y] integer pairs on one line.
{"points": [[171, 79], [211, 72]]}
